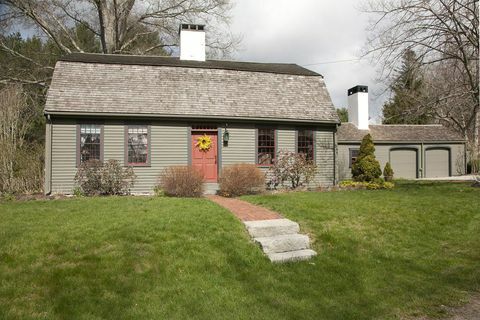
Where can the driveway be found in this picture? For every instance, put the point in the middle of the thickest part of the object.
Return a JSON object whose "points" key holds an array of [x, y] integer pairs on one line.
{"points": [[467, 177]]}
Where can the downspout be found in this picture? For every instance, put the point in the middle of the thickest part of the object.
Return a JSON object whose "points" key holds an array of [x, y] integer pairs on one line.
{"points": [[335, 155], [422, 162], [48, 157]]}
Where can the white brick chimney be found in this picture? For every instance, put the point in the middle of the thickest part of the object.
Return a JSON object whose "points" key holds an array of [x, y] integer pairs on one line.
{"points": [[358, 106], [192, 42]]}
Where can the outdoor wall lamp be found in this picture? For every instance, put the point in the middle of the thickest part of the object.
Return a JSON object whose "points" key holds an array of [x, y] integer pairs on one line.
{"points": [[226, 136]]}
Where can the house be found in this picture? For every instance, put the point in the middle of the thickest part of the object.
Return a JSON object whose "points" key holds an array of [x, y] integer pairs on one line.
{"points": [[150, 112], [414, 151]]}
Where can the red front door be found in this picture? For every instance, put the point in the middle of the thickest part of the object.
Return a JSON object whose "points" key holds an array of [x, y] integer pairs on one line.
{"points": [[205, 160]]}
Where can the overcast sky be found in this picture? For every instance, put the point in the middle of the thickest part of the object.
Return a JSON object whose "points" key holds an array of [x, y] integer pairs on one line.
{"points": [[310, 33]]}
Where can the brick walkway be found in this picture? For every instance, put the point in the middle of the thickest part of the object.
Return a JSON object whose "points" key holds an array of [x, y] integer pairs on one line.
{"points": [[243, 210]]}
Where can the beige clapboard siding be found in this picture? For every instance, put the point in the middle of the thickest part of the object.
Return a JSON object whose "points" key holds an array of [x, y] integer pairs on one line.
{"points": [[114, 140], [168, 147], [241, 149], [63, 156], [241, 146], [324, 158], [458, 159], [286, 139]]}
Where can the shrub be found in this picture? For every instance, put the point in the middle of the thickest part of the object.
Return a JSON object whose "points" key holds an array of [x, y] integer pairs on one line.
{"points": [[78, 192], [89, 178], [241, 179], [292, 168], [158, 191], [366, 167], [110, 178], [181, 181], [388, 172]]}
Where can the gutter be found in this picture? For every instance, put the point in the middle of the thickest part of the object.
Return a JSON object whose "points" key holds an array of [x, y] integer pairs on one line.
{"points": [[186, 117], [422, 161], [404, 142], [335, 148]]}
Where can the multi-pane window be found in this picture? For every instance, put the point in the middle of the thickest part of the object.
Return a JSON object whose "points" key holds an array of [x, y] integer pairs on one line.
{"points": [[305, 143], [137, 144], [266, 146], [90, 142], [353, 156]]}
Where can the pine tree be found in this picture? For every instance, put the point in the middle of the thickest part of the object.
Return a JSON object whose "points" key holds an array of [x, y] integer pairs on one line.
{"points": [[407, 90], [342, 114], [366, 167]]}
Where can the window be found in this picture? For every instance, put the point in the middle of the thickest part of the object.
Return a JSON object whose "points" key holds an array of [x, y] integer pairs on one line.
{"points": [[137, 145], [305, 143], [265, 146], [353, 156], [90, 142]]}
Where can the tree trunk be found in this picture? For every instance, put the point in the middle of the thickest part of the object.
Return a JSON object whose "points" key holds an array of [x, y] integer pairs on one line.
{"points": [[113, 17], [476, 144]]}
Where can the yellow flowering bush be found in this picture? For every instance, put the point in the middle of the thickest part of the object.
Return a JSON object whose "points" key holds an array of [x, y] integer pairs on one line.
{"points": [[372, 185]]}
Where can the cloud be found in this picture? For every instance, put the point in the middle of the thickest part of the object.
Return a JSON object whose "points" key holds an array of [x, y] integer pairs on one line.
{"points": [[309, 32]]}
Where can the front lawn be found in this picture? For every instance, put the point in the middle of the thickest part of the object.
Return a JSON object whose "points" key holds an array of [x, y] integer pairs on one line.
{"points": [[381, 254]]}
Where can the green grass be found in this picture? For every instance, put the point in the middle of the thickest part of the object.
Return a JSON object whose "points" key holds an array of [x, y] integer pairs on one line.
{"points": [[382, 254]]}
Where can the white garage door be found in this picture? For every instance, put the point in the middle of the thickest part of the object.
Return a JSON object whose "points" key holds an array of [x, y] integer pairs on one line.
{"points": [[404, 163], [437, 163]]}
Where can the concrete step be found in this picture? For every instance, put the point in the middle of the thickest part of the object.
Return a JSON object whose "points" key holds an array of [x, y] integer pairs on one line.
{"points": [[210, 188], [291, 255], [284, 243], [274, 227]]}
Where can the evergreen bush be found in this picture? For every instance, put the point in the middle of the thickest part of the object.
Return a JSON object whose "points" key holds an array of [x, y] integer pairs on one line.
{"points": [[366, 167], [388, 172]]}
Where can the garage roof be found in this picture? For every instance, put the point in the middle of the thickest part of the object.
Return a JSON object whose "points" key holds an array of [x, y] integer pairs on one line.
{"points": [[348, 132]]}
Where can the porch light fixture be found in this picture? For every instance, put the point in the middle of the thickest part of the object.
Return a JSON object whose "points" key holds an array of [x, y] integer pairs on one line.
{"points": [[226, 136]]}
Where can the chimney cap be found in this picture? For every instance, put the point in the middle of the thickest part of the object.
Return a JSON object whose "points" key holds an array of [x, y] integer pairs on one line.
{"points": [[191, 27], [356, 89]]}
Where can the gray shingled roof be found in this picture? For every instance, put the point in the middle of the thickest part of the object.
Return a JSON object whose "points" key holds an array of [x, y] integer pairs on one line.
{"points": [[159, 86], [348, 132]]}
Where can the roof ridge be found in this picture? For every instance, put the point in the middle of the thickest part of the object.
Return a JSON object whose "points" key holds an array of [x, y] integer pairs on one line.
{"points": [[176, 58], [125, 59]]}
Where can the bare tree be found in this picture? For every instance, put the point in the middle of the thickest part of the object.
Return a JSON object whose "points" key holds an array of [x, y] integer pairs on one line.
{"points": [[19, 170], [444, 36], [118, 24]]}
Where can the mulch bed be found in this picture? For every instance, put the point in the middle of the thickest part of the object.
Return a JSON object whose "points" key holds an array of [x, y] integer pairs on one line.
{"points": [[33, 197]]}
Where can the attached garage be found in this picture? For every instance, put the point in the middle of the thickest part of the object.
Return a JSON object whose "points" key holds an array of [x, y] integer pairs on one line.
{"points": [[404, 163], [414, 151], [437, 163]]}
